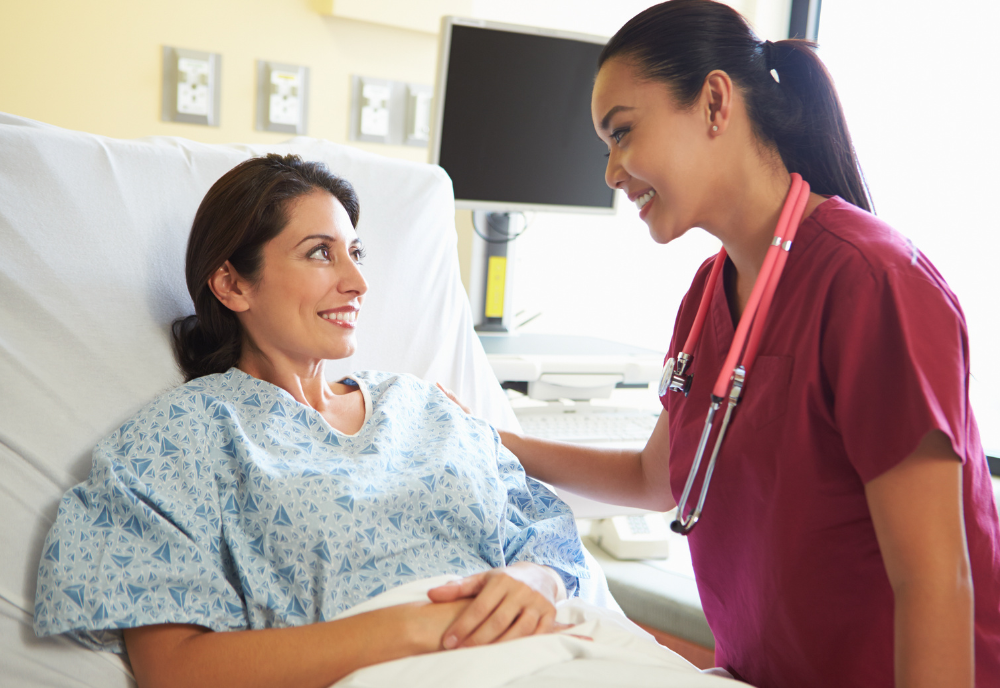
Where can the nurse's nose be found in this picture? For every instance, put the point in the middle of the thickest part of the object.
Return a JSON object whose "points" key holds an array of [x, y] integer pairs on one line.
{"points": [[614, 174]]}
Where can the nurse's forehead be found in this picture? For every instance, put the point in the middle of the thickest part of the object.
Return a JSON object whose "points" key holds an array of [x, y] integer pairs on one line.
{"points": [[615, 90]]}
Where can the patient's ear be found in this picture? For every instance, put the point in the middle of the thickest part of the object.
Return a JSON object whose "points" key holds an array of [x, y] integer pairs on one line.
{"points": [[229, 288]]}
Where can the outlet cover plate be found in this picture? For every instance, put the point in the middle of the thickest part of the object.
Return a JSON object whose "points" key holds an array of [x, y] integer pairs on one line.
{"points": [[192, 81], [282, 97]]}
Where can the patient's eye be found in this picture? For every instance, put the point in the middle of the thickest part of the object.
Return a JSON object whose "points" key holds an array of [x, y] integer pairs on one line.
{"points": [[321, 252], [358, 253], [619, 133]]}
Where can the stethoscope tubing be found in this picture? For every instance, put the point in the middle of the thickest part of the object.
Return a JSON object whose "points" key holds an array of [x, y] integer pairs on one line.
{"points": [[763, 283], [748, 332]]}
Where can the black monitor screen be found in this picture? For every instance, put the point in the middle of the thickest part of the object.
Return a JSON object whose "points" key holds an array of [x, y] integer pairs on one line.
{"points": [[516, 125]]}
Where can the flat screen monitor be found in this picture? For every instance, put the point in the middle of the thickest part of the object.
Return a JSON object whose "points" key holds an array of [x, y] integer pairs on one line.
{"points": [[512, 124]]}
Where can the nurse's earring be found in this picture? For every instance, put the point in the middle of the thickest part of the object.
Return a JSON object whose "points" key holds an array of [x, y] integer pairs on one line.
{"points": [[715, 127]]}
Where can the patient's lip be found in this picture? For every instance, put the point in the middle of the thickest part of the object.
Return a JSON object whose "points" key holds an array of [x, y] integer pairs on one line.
{"points": [[344, 316]]}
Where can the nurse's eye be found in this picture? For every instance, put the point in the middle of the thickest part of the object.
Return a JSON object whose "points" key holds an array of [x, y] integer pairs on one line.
{"points": [[619, 133], [321, 252], [358, 253]]}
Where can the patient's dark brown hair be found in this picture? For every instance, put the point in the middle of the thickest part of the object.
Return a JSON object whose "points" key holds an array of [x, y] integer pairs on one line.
{"points": [[246, 208]]}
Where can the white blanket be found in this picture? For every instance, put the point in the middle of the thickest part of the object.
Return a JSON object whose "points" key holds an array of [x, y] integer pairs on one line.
{"points": [[618, 653]]}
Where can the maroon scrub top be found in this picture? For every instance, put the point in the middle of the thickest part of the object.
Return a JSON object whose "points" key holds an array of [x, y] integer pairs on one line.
{"points": [[864, 352]]}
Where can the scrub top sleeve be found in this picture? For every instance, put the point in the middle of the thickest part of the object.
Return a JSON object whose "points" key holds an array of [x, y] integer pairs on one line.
{"points": [[895, 354], [540, 527]]}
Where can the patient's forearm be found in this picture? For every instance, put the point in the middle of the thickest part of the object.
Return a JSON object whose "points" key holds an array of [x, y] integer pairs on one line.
{"points": [[618, 476], [315, 655]]}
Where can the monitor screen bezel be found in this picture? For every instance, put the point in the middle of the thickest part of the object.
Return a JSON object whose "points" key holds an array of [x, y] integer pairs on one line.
{"points": [[440, 88]]}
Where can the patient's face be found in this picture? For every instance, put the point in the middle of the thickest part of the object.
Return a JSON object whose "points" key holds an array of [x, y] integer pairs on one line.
{"points": [[305, 305]]}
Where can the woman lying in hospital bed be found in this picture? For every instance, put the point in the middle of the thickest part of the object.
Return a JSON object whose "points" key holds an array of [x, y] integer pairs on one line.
{"points": [[261, 500]]}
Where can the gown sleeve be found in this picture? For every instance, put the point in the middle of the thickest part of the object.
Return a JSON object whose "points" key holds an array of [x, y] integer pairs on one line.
{"points": [[540, 527], [139, 542], [896, 358]]}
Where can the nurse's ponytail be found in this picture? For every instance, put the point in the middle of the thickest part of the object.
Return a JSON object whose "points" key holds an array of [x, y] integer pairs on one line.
{"points": [[246, 208], [789, 95]]}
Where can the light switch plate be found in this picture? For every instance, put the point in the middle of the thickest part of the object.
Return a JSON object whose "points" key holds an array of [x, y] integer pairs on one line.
{"points": [[282, 97], [191, 85]]}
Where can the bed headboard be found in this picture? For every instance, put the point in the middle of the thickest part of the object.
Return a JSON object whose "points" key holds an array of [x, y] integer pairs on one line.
{"points": [[92, 238]]}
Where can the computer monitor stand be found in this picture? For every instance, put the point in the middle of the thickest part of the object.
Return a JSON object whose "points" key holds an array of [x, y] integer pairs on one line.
{"points": [[491, 278]]}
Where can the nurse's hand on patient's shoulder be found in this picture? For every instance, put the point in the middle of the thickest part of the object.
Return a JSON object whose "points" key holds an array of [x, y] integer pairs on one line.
{"points": [[451, 395], [509, 603]]}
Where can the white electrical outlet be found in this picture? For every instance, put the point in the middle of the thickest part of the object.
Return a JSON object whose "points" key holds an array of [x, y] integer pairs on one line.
{"points": [[418, 115], [375, 109], [193, 93], [191, 81], [282, 97], [283, 107]]}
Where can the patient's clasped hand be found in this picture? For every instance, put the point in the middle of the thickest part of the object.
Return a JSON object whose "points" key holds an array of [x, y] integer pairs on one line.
{"points": [[260, 496]]}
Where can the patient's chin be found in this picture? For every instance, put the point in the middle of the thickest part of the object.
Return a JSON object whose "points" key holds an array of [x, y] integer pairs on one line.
{"points": [[343, 349]]}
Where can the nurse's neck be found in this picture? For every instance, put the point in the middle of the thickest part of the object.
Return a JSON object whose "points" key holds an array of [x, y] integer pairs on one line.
{"points": [[755, 189]]}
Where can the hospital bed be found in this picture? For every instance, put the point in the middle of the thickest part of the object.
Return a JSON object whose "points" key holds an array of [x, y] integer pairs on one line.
{"points": [[92, 240]]}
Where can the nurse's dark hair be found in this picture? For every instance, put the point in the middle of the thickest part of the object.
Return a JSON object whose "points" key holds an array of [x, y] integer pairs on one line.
{"points": [[679, 42], [246, 208]]}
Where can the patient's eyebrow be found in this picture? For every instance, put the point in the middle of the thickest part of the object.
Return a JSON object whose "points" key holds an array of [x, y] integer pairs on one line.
{"points": [[317, 236], [611, 113]]}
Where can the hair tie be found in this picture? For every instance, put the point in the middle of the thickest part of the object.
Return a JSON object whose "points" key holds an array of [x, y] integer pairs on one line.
{"points": [[767, 50]]}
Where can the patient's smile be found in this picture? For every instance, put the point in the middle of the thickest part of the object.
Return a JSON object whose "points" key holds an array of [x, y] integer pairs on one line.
{"points": [[342, 317]]}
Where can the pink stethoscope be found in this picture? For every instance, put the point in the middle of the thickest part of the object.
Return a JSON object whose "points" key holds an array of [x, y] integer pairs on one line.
{"points": [[752, 322]]}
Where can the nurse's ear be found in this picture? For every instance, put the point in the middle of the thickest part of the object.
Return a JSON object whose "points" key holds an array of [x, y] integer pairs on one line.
{"points": [[229, 288], [716, 102]]}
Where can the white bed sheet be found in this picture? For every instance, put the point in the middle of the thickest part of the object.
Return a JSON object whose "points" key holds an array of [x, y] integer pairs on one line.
{"points": [[612, 652]]}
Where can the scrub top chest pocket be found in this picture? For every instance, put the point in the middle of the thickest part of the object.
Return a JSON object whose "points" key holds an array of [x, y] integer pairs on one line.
{"points": [[765, 397]]}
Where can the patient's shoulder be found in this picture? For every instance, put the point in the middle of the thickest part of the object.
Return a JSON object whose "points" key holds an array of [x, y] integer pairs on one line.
{"points": [[193, 404]]}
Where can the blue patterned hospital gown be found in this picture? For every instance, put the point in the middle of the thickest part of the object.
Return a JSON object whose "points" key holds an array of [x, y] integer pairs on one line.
{"points": [[228, 504]]}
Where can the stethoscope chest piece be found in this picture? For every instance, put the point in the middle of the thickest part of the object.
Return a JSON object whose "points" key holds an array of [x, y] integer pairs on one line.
{"points": [[673, 378], [668, 373]]}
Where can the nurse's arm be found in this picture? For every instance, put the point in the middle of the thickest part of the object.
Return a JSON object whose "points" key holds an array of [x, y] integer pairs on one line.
{"points": [[618, 476], [916, 508]]}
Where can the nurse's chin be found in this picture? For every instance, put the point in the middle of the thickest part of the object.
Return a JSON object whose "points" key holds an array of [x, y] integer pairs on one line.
{"points": [[664, 235]]}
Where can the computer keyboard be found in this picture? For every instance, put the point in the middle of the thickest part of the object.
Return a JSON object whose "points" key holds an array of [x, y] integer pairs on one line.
{"points": [[587, 426]]}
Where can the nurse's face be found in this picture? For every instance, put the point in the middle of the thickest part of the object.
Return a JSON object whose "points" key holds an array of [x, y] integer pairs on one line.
{"points": [[657, 152], [305, 306]]}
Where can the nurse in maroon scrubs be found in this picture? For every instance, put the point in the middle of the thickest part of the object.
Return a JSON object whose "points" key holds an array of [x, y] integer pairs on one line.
{"points": [[850, 535]]}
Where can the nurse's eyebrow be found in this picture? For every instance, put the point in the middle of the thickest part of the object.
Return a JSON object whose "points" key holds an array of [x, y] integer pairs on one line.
{"points": [[611, 113]]}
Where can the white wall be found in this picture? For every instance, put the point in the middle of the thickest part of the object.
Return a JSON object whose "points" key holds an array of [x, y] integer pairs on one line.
{"points": [[917, 82]]}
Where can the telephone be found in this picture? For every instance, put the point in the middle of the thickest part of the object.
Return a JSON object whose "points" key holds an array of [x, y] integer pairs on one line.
{"points": [[645, 536]]}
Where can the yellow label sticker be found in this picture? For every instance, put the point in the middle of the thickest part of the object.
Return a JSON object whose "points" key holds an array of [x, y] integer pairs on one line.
{"points": [[496, 276]]}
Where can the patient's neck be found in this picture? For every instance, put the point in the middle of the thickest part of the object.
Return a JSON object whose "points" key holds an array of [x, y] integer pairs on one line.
{"points": [[304, 380]]}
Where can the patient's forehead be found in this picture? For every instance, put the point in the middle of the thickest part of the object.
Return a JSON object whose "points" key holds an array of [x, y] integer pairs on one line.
{"points": [[316, 213]]}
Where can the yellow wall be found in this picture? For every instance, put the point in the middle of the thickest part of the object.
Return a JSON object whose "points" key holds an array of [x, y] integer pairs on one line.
{"points": [[96, 65]]}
